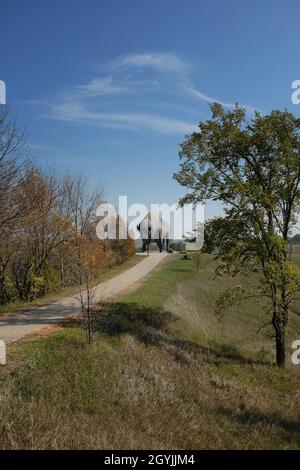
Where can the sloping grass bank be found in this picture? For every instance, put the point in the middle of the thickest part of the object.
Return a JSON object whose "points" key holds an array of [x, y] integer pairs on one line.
{"points": [[161, 373]]}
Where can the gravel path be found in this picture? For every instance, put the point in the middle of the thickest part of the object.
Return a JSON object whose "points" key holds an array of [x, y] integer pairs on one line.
{"points": [[15, 326]]}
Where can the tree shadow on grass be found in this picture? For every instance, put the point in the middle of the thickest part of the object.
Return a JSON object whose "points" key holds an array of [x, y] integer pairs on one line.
{"points": [[257, 418], [183, 270], [151, 327]]}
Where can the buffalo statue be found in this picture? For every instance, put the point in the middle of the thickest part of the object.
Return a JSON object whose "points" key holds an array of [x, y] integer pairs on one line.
{"points": [[154, 229]]}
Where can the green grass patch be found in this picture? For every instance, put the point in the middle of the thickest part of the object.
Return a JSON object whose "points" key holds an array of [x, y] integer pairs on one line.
{"points": [[162, 372]]}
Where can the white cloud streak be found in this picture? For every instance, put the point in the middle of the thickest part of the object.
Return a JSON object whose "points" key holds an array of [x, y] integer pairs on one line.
{"points": [[129, 75], [78, 114], [192, 91], [164, 62], [100, 86]]}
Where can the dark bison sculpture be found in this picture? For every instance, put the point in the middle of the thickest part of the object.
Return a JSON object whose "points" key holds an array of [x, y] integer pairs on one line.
{"points": [[154, 229]]}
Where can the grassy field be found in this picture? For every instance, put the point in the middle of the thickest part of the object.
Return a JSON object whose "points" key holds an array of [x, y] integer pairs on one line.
{"points": [[162, 372]]}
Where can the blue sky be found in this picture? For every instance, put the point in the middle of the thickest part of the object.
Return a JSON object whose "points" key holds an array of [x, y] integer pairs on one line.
{"points": [[109, 89]]}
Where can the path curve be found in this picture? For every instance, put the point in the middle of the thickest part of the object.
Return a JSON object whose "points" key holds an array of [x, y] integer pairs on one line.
{"points": [[15, 326]]}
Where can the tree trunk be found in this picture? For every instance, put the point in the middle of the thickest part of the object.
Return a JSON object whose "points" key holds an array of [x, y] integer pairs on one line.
{"points": [[62, 270], [280, 348], [279, 328], [4, 295]]}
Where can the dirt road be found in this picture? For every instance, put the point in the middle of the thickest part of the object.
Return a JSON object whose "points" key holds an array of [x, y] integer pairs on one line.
{"points": [[15, 326]]}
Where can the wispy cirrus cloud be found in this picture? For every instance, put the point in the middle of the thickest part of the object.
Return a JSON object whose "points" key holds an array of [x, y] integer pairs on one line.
{"points": [[124, 98], [133, 121], [164, 62], [109, 85], [192, 91], [111, 101], [100, 86]]}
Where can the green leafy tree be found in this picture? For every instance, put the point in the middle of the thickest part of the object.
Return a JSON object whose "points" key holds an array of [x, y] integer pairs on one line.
{"points": [[253, 168]]}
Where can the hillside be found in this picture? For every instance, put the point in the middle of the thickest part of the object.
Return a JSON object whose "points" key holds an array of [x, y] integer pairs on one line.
{"points": [[162, 372]]}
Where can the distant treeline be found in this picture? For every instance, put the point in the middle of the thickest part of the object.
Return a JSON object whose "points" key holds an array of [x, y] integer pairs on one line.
{"points": [[295, 240], [47, 225]]}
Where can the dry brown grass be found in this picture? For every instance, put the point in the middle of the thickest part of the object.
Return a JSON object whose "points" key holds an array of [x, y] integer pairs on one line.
{"points": [[161, 373]]}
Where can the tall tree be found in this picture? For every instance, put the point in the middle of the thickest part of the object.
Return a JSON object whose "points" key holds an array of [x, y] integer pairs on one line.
{"points": [[14, 162], [42, 232], [253, 168], [80, 201], [14, 165]]}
